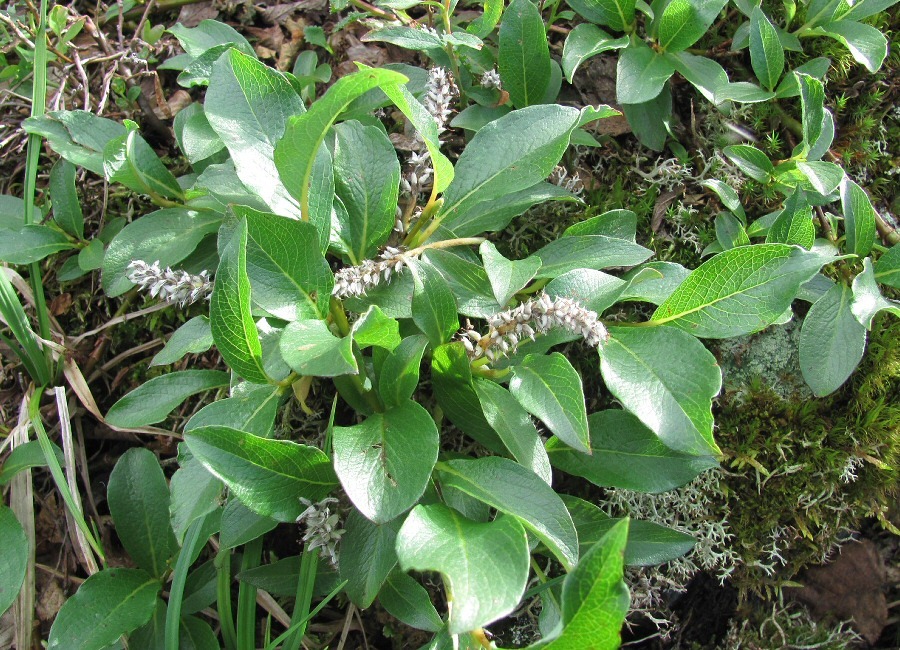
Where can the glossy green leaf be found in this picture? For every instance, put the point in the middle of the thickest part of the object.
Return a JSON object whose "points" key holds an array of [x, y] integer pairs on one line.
{"points": [[627, 454], [495, 214], [859, 218], [487, 21], [790, 87], [588, 252], [194, 337], [524, 56], [409, 38], [512, 489], [794, 225], [812, 107], [248, 105], [618, 15], [167, 236], [129, 160], [766, 51], [594, 290], [618, 224], [751, 161], [195, 137], [832, 341], [153, 400], [887, 268], [230, 319], [507, 277], [32, 244], [296, 152], [512, 153], [641, 73], [252, 410], [399, 375], [138, 498], [367, 557], [26, 456], [367, 180], [668, 379], [648, 120], [584, 41], [384, 462], [241, 525], [408, 601], [549, 388], [269, 476], [514, 426], [826, 138], [594, 596], [78, 136], [704, 74], [194, 492], [742, 92], [654, 281], [730, 232], [739, 291], [309, 348], [434, 309], [866, 43], [208, 34], [683, 22], [66, 206], [865, 8], [107, 605], [867, 298], [289, 275], [485, 566], [824, 177], [468, 280], [375, 328], [14, 559]]}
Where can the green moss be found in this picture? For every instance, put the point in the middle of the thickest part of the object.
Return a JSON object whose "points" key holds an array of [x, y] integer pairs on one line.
{"points": [[808, 471]]}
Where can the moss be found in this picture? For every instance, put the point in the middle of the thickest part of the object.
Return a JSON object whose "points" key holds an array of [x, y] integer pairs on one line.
{"points": [[805, 472]]}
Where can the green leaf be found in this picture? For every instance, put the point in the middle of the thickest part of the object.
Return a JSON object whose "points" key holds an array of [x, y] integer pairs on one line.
{"points": [[824, 177], [168, 235], [485, 23], [138, 498], [588, 252], [654, 281], [26, 456], [865, 8], [399, 374], [78, 136], [739, 291], [90, 258], [812, 107], [507, 277], [649, 120], [153, 400], [512, 489], [641, 73], [194, 337], [108, 604], [510, 154], [129, 160], [524, 56], [742, 92], [367, 557], [252, 410], [866, 43], [751, 161], [248, 105], [668, 379], [207, 35], [241, 525], [375, 328], [585, 41], [618, 15], [618, 224], [451, 379], [468, 280], [485, 566], [514, 426], [887, 268], [683, 22], [433, 304], [296, 152], [409, 38], [66, 206], [794, 225], [704, 74], [790, 87], [408, 601], [832, 341], [269, 476], [309, 348], [32, 244], [367, 180], [194, 492], [549, 388], [384, 462], [859, 218], [14, 559], [195, 137], [826, 137], [766, 51], [728, 196], [730, 232], [495, 214], [233, 328], [594, 596], [867, 298], [628, 455], [595, 290], [287, 271]]}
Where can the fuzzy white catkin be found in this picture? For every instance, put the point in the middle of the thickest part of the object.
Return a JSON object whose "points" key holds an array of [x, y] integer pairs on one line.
{"points": [[175, 287]]}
